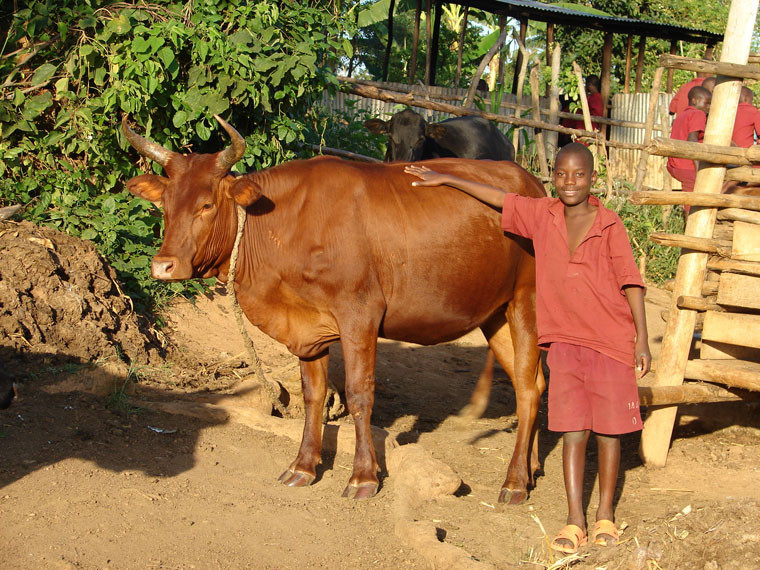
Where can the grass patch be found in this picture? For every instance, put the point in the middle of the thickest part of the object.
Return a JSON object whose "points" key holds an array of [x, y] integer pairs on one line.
{"points": [[118, 400]]}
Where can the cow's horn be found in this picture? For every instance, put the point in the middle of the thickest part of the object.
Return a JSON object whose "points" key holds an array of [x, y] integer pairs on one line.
{"points": [[145, 147], [230, 155]]}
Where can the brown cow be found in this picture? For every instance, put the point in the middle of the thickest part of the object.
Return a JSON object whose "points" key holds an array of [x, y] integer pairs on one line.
{"points": [[336, 250]]}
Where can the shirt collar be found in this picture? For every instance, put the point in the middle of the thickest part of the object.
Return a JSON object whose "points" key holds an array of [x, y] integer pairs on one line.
{"points": [[603, 219]]}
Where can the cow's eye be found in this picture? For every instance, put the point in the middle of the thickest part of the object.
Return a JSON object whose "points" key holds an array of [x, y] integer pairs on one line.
{"points": [[207, 206]]}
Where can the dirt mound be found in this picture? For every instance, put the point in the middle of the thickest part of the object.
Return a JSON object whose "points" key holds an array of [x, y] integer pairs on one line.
{"points": [[60, 301]]}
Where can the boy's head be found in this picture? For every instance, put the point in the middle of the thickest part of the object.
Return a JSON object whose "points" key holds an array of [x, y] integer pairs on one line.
{"points": [[700, 99], [709, 83], [574, 173], [746, 96], [593, 85]]}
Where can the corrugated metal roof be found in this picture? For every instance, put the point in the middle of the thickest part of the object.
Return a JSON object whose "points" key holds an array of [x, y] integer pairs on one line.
{"points": [[534, 10]]}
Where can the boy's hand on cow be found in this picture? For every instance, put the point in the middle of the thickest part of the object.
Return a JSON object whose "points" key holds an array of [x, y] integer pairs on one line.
{"points": [[426, 176], [643, 358]]}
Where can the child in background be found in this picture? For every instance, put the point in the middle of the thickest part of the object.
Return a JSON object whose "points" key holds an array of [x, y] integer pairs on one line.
{"points": [[590, 316], [747, 123], [689, 126]]}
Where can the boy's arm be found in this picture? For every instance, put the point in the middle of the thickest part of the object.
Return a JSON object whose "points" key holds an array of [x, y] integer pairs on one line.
{"points": [[483, 192], [642, 356], [693, 136]]}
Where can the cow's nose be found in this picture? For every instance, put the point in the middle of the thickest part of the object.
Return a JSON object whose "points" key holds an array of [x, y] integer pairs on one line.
{"points": [[163, 267]]}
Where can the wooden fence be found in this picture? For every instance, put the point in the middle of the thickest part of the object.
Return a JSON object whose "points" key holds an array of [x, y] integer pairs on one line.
{"points": [[627, 107]]}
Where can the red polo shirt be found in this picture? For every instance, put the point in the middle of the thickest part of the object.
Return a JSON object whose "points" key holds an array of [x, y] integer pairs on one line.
{"points": [[747, 123], [595, 109], [689, 121], [680, 100], [579, 299]]}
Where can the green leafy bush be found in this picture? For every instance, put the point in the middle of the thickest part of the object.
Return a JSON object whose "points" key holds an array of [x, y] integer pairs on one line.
{"points": [[70, 70]]}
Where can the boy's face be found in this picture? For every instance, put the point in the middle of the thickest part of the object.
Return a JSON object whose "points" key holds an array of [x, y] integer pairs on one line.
{"points": [[703, 104], [573, 178]]}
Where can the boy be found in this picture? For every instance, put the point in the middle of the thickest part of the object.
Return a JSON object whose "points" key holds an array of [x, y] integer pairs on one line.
{"points": [[680, 100], [595, 109], [590, 314], [747, 122], [689, 126]]}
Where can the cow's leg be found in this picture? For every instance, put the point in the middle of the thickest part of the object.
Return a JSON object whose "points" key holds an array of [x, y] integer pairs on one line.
{"points": [[359, 351], [482, 392], [517, 341], [302, 471]]}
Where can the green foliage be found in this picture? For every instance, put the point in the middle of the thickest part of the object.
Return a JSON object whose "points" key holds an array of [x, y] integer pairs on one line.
{"points": [[641, 222], [344, 129], [70, 70]]}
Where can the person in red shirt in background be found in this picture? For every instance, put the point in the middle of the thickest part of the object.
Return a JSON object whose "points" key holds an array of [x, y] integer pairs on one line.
{"points": [[746, 126], [595, 109], [747, 122], [590, 315], [689, 126], [680, 100]]}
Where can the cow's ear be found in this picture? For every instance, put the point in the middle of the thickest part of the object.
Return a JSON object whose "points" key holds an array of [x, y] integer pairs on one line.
{"points": [[435, 131], [244, 191], [377, 126], [148, 186]]}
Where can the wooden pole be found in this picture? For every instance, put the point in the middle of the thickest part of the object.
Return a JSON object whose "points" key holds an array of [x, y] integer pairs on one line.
{"points": [[685, 394], [669, 83], [640, 62], [606, 66], [695, 199], [460, 46], [470, 97], [627, 84], [415, 42], [520, 57], [389, 43], [679, 330], [500, 55], [654, 96], [436, 38], [551, 136], [523, 59], [709, 48], [428, 34], [549, 43], [540, 144], [715, 154], [710, 67]]}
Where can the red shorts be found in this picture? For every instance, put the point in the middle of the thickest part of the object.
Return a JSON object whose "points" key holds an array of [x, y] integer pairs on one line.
{"points": [[589, 390], [685, 176]]}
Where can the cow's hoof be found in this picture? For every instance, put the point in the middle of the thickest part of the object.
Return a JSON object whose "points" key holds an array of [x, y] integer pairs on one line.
{"points": [[296, 479], [363, 491], [513, 496]]}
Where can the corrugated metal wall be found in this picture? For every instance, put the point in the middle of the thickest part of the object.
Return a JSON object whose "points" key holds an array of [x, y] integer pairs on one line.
{"points": [[623, 162], [629, 107]]}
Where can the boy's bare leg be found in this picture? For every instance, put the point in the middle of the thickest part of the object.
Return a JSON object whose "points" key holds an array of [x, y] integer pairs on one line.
{"points": [[573, 466], [609, 464]]}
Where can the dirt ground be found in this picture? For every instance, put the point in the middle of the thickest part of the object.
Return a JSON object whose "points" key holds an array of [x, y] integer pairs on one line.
{"points": [[92, 475]]}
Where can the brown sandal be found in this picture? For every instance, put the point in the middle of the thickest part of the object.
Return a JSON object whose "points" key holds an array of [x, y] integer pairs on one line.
{"points": [[573, 533], [603, 527]]}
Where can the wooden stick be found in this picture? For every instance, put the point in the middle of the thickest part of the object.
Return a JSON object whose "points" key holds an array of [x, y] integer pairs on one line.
{"points": [[744, 174], [420, 90], [738, 215], [551, 136], [721, 264], [685, 394], [697, 304], [627, 83], [640, 62], [341, 153], [520, 82], [540, 144], [654, 95], [733, 373], [679, 330], [708, 245], [695, 199], [710, 67], [411, 100], [715, 154], [470, 97]]}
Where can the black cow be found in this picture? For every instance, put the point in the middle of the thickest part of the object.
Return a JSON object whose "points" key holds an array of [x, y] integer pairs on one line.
{"points": [[411, 138]]}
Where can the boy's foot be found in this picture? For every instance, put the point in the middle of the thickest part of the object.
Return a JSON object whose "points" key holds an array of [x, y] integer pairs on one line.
{"points": [[569, 539], [604, 533]]}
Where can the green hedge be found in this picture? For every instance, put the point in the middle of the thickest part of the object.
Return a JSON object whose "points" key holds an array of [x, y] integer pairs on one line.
{"points": [[70, 70]]}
